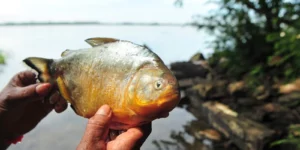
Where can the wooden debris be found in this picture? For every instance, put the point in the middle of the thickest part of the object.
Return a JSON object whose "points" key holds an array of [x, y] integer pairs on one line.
{"points": [[245, 133], [290, 99], [261, 93], [271, 107], [209, 134], [236, 86], [249, 117], [290, 87]]}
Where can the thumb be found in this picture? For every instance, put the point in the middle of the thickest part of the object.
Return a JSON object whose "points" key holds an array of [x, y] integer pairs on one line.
{"points": [[97, 127], [31, 92]]}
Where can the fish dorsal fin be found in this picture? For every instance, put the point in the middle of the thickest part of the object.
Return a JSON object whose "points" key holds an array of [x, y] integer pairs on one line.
{"points": [[66, 52], [100, 41]]}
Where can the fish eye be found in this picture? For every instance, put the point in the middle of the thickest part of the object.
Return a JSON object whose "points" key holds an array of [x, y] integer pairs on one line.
{"points": [[158, 85]]}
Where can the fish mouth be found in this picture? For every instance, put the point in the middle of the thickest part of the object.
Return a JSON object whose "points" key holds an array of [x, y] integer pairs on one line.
{"points": [[173, 96], [168, 103]]}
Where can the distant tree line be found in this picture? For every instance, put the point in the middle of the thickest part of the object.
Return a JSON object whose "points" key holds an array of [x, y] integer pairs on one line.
{"points": [[36, 23]]}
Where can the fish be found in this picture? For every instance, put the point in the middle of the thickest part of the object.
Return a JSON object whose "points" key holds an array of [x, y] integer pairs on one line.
{"points": [[130, 78]]}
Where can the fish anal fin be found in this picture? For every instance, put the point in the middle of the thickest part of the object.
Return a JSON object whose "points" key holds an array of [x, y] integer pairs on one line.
{"points": [[100, 41], [42, 66]]}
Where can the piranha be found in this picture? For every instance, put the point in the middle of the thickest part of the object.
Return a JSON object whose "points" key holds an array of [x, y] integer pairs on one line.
{"points": [[130, 78]]}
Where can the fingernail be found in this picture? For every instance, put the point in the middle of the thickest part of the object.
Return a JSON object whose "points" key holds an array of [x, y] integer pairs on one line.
{"points": [[104, 110]]}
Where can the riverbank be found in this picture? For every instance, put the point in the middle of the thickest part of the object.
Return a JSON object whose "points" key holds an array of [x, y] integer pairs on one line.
{"points": [[233, 114]]}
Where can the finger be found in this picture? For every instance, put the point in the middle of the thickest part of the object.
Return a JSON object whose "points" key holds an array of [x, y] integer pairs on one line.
{"points": [[23, 78], [126, 140], [54, 97], [43, 89], [27, 94], [98, 125], [61, 105], [146, 129]]}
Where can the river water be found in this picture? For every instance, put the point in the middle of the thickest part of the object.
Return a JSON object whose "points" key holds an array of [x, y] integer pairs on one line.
{"points": [[63, 131]]}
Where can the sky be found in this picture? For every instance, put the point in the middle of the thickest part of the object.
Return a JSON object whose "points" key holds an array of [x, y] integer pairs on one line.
{"points": [[101, 10]]}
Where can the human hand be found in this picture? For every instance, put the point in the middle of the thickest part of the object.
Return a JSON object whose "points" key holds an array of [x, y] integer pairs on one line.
{"points": [[23, 105], [96, 134]]}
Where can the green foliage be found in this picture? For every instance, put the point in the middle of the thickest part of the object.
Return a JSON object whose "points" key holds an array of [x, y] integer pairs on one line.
{"points": [[292, 138], [260, 41], [259, 38], [286, 55], [2, 58]]}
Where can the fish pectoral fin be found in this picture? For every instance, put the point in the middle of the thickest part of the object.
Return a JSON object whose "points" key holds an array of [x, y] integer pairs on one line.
{"points": [[100, 41], [41, 65], [123, 113], [63, 89]]}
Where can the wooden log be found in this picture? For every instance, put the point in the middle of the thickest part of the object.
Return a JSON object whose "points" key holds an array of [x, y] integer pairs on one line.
{"points": [[245, 133], [189, 82], [184, 70], [209, 89]]}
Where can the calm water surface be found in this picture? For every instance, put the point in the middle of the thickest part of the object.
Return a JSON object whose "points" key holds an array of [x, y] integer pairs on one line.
{"points": [[63, 131]]}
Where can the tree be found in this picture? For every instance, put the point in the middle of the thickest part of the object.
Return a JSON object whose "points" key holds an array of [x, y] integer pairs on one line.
{"points": [[260, 39]]}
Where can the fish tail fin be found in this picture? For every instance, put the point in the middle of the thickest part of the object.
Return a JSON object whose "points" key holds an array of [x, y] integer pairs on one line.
{"points": [[41, 65]]}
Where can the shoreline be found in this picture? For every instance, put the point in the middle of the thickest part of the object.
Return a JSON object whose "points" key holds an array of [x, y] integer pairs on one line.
{"points": [[92, 23]]}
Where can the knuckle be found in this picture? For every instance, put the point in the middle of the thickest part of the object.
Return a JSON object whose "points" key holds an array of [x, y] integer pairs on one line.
{"points": [[24, 93], [6, 95], [21, 75], [24, 78], [6, 98]]}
